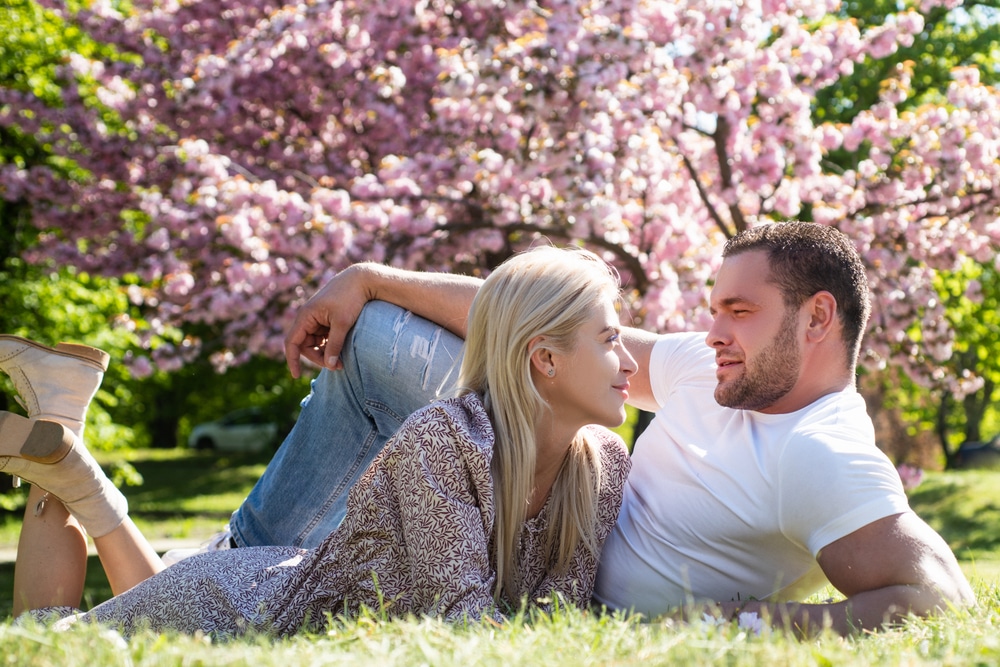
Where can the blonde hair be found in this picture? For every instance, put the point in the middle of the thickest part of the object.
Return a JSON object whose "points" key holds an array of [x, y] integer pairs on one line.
{"points": [[547, 292]]}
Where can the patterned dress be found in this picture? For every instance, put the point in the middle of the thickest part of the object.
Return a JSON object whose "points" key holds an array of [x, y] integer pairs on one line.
{"points": [[416, 539]]}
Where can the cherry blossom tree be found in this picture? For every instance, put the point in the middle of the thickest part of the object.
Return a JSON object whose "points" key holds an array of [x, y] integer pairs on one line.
{"points": [[241, 153]]}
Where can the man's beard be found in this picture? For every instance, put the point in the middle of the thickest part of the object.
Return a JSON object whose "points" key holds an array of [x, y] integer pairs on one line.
{"points": [[769, 376]]}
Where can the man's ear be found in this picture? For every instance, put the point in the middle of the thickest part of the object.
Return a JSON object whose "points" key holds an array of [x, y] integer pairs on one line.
{"points": [[823, 317]]}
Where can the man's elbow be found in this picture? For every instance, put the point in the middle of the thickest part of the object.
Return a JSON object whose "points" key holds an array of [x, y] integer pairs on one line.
{"points": [[938, 595], [957, 592], [894, 604]]}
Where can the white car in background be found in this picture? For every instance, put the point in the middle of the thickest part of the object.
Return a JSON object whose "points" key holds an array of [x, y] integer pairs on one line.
{"points": [[249, 430]]}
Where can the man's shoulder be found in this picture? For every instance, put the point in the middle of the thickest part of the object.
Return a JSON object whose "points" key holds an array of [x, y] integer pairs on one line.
{"points": [[681, 340], [836, 430], [836, 413], [683, 347]]}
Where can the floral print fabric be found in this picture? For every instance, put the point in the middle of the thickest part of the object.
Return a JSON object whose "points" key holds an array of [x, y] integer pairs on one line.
{"points": [[416, 539]]}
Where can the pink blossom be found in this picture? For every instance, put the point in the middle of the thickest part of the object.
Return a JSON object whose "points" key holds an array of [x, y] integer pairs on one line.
{"points": [[910, 475], [276, 146]]}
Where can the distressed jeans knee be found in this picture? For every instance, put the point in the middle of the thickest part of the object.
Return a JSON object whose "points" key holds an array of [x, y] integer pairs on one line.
{"points": [[394, 363]]}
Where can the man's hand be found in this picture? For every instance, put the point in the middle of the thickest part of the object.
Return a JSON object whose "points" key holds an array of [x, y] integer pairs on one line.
{"points": [[322, 323]]}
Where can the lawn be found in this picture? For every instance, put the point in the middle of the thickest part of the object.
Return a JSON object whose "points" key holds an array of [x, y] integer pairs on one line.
{"points": [[185, 496], [964, 507]]}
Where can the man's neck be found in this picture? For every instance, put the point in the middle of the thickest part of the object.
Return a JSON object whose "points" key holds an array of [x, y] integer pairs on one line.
{"points": [[805, 393]]}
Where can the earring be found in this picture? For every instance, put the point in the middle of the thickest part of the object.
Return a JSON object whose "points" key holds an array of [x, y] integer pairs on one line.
{"points": [[552, 372]]}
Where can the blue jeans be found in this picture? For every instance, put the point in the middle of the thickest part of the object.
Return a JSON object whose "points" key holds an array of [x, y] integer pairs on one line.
{"points": [[394, 363]]}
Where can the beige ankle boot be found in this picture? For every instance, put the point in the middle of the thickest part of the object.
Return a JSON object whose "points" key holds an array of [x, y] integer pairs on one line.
{"points": [[50, 455], [54, 383]]}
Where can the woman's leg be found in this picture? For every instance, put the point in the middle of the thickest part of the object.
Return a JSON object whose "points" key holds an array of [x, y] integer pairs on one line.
{"points": [[394, 363], [51, 563], [51, 556], [52, 550], [127, 557], [56, 386]]}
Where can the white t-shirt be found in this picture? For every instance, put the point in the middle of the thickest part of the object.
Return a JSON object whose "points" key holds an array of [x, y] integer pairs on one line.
{"points": [[725, 504]]}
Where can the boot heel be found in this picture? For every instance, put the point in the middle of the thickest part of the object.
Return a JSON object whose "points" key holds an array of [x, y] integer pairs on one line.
{"points": [[37, 440]]}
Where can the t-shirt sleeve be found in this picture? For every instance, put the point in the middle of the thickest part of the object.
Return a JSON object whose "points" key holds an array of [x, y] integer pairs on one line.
{"points": [[680, 359], [443, 520], [833, 483]]}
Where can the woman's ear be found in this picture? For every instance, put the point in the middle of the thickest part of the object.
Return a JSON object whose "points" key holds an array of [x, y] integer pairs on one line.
{"points": [[541, 356]]}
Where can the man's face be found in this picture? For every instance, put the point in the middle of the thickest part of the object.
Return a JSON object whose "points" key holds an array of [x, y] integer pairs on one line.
{"points": [[755, 336]]}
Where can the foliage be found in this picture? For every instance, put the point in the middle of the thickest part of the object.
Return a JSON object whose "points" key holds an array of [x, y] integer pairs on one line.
{"points": [[129, 411], [973, 309], [49, 301], [34, 46], [968, 36], [241, 153], [971, 300], [67, 305]]}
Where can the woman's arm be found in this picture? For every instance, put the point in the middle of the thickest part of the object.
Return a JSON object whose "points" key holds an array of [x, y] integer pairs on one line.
{"points": [[446, 502]]}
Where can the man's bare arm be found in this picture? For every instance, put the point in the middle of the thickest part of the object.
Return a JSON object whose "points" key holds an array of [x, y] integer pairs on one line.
{"points": [[322, 323], [888, 569]]}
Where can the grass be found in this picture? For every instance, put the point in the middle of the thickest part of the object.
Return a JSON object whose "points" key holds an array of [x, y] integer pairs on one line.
{"points": [[569, 637], [184, 494], [963, 507]]}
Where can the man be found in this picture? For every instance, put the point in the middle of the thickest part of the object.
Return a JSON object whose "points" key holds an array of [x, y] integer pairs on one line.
{"points": [[756, 482]]}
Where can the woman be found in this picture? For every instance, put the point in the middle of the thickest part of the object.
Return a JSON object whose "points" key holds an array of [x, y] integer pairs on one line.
{"points": [[501, 493]]}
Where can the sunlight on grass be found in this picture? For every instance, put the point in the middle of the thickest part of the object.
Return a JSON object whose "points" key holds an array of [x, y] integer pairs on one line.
{"points": [[184, 494], [567, 636], [191, 494], [987, 570], [965, 508]]}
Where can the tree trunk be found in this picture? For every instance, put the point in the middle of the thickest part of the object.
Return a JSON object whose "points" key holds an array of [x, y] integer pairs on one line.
{"points": [[941, 428]]}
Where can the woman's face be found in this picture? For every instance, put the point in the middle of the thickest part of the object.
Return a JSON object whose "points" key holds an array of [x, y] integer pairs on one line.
{"points": [[591, 381]]}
